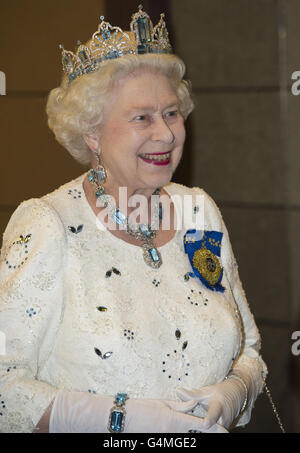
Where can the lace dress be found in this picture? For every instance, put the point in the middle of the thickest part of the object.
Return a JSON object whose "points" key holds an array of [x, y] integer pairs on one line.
{"points": [[80, 310]]}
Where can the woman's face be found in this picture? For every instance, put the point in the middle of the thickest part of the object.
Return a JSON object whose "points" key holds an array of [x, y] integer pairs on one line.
{"points": [[142, 138]]}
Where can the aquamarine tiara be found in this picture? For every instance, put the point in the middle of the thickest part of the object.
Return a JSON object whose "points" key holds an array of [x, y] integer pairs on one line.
{"points": [[110, 42]]}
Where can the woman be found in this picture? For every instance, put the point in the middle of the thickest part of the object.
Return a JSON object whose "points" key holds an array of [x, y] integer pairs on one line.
{"points": [[119, 316]]}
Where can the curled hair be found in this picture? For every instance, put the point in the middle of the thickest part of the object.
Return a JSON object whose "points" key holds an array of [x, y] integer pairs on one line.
{"points": [[77, 109]]}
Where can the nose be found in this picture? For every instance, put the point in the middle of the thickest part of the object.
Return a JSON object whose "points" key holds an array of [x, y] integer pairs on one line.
{"points": [[162, 131]]}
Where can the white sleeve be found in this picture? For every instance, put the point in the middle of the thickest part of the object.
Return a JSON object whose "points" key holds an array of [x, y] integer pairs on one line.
{"points": [[249, 360], [31, 303]]}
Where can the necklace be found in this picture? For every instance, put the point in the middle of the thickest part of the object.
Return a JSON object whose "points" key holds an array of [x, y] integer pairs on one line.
{"points": [[142, 232]]}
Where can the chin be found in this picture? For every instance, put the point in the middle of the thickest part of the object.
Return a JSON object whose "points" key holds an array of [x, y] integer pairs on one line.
{"points": [[162, 180], [158, 176]]}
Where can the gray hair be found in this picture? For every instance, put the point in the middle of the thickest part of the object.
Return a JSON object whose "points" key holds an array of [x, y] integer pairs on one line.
{"points": [[77, 109]]}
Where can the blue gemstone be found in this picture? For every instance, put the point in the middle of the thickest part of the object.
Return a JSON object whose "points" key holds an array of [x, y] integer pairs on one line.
{"points": [[144, 29], [83, 56], [106, 34], [99, 192], [142, 48], [101, 175], [116, 421], [144, 229], [153, 253], [160, 211], [91, 175], [111, 55], [121, 397], [119, 217]]}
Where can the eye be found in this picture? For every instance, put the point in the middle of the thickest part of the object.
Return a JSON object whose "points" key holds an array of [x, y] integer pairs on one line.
{"points": [[172, 114], [142, 118]]}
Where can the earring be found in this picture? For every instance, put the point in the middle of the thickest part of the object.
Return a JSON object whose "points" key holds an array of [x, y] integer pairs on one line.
{"points": [[100, 170]]}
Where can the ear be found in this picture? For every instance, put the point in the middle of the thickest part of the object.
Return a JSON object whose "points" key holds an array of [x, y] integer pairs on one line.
{"points": [[92, 141]]}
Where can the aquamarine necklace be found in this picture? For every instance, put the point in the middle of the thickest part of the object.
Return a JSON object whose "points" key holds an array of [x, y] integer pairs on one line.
{"points": [[143, 232]]}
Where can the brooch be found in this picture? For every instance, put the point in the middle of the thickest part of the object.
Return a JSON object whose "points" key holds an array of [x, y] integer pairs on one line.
{"points": [[203, 248]]}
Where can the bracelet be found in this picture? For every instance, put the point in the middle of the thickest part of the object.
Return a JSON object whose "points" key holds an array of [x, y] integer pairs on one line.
{"points": [[232, 375], [117, 414]]}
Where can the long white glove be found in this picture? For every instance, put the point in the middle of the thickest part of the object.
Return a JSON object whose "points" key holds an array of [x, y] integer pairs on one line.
{"points": [[78, 412], [223, 402]]}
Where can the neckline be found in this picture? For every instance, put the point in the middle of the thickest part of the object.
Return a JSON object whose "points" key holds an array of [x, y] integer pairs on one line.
{"points": [[117, 240]]}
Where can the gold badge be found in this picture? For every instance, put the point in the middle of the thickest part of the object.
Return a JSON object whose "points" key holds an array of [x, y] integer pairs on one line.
{"points": [[207, 264]]}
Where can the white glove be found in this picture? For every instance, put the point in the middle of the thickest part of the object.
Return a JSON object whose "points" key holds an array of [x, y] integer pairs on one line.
{"points": [[78, 412], [223, 401]]}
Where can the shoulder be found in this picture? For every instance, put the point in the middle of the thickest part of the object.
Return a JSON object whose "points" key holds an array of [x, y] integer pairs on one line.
{"points": [[34, 240], [180, 189], [211, 220], [35, 237], [32, 215], [44, 214], [43, 217], [200, 200], [61, 199]]}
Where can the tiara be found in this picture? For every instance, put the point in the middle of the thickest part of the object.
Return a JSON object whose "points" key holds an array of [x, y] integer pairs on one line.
{"points": [[109, 42]]}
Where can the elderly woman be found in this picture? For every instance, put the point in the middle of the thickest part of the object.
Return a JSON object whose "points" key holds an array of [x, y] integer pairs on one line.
{"points": [[116, 317]]}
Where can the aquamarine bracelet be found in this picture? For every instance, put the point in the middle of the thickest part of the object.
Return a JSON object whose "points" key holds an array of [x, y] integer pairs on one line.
{"points": [[117, 414]]}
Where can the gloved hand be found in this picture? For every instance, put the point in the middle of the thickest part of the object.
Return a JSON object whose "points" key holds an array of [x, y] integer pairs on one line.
{"points": [[222, 401], [78, 412]]}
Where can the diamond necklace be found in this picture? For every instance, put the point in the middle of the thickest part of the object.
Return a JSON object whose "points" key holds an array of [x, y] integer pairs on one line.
{"points": [[144, 232]]}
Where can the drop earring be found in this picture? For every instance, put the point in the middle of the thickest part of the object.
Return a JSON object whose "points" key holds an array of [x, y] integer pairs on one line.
{"points": [[100, 170]]}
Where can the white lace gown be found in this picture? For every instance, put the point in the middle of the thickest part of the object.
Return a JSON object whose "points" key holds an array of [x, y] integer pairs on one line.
{"points": [[80, 310]]}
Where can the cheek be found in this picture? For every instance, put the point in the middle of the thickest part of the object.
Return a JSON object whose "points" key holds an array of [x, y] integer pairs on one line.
{"points": [[120, 136], [179, 133], [116, 133]]}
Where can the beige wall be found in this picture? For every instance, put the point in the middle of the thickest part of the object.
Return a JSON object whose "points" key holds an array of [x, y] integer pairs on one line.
{"points": [[32, 162]]}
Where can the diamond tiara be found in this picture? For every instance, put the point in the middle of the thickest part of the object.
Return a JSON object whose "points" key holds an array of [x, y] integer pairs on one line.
{"points": [[109, 42]]}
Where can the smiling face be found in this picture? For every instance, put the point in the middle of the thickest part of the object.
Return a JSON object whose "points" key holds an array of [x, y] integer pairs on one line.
{"points": [[142, 138]]}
